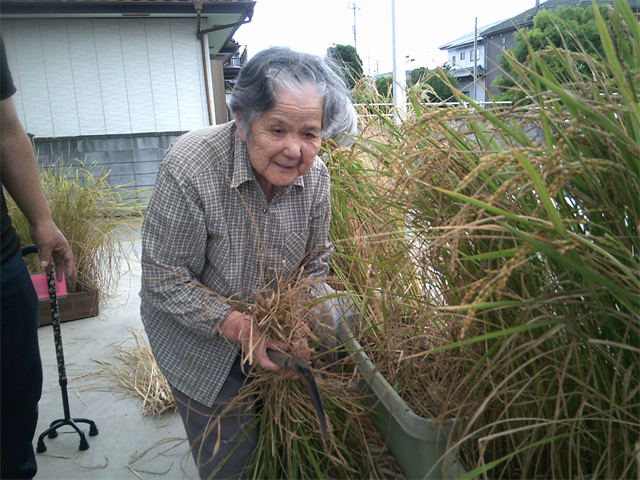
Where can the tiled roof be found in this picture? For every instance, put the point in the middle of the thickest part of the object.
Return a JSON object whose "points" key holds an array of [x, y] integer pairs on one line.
{"points": [[468, 38]]}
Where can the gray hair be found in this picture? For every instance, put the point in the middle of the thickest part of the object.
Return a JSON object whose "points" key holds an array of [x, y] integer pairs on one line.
{"points": [[282, 69]]}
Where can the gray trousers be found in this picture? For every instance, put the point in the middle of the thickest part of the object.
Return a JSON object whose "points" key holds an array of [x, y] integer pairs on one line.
{"points": [[214, 437]]}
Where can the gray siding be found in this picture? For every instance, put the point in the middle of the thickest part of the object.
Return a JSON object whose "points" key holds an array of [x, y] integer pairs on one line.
{"points": [[131, 159], [494, 50]]}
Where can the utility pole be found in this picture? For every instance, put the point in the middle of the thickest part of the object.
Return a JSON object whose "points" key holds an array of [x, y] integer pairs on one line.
{"points": [[399, 77], [354, 7], [475, 63]]}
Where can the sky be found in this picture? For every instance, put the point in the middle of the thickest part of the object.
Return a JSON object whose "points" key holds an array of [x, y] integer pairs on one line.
{"points": [[421, 27]]}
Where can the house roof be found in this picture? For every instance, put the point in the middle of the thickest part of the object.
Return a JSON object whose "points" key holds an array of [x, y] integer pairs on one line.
{"points": [[468, 38], [106, 7], [221, 19], [521, 20]]}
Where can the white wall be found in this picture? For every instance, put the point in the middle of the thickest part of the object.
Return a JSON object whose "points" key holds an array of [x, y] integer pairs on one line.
{"points": [[468, 61], [106, 76]]}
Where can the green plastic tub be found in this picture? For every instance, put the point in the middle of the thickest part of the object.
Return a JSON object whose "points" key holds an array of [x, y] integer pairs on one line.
{"points": [[417, 443]]}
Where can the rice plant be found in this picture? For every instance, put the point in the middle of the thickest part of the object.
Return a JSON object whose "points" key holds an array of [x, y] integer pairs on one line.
{"points": [[514, 233], [88, 211], [290, 441]]}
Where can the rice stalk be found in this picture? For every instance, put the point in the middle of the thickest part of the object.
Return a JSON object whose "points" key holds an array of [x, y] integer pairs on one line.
{"points": [[87, 210], [142, 378], [290, 441]]}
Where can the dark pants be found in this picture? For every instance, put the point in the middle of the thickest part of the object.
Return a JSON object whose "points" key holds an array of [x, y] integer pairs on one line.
{"points": [[21, 370], [222, 434]]}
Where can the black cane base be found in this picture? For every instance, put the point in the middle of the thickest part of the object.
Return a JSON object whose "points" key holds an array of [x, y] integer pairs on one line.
{"points": [[52, 432]]}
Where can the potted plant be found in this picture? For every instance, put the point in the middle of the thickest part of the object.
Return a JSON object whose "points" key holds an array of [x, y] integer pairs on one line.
{"points": [[88, 211]]}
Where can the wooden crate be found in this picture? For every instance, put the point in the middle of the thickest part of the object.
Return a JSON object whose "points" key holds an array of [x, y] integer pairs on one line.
{"points": [[72, 307]]}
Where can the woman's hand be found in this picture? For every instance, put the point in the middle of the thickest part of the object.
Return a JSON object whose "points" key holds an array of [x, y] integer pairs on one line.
{"points": [[241, 328]]}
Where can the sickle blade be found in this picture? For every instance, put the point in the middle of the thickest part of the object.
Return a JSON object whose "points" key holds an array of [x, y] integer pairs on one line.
{"points": [[300, 368]]}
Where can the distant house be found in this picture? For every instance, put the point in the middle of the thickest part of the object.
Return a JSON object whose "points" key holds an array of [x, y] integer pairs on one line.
{"points": [[462, 58], [496, 38], [117, 81]]}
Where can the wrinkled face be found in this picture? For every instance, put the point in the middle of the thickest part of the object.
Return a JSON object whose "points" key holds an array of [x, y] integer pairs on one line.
{"points": [[284, 141]]}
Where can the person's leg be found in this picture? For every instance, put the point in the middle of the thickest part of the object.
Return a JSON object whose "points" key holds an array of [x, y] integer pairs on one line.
{"points": [[222, 434], [21, 370]]}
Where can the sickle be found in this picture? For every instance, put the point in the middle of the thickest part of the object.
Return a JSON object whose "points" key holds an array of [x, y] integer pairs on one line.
{"points": [[300, 368]]}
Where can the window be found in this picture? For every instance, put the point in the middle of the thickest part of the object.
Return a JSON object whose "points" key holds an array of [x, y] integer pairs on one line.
{"points": [[504, 47], [471, 55], [461, 55], [504, 39], [453, 60]]}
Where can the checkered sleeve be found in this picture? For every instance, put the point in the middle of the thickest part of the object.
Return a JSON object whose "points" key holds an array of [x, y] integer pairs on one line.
{"points": [[174, 245]]}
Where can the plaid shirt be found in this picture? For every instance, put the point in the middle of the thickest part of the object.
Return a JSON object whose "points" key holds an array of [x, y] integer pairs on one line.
{"points": [[208, 224]]}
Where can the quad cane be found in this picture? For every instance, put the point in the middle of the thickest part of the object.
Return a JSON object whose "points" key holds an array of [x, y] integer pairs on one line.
{"points": [[62, 375]]}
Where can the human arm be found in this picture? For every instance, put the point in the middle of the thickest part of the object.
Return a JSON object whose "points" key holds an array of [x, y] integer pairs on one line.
{"points": [[303, 234], [314, 259], [21, 178], [185, 277], [174, 248]]}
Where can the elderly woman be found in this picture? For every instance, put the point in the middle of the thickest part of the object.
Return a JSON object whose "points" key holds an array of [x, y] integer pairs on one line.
{"points": [[233, 207]]}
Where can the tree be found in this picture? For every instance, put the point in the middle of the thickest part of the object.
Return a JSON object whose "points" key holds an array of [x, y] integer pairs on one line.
{"points": [[347, 58], [384, 86], [433, 84], [579, 32]]}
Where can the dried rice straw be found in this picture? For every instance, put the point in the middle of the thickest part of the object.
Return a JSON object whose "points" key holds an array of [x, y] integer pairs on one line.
{"points": [[141, 377]]}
